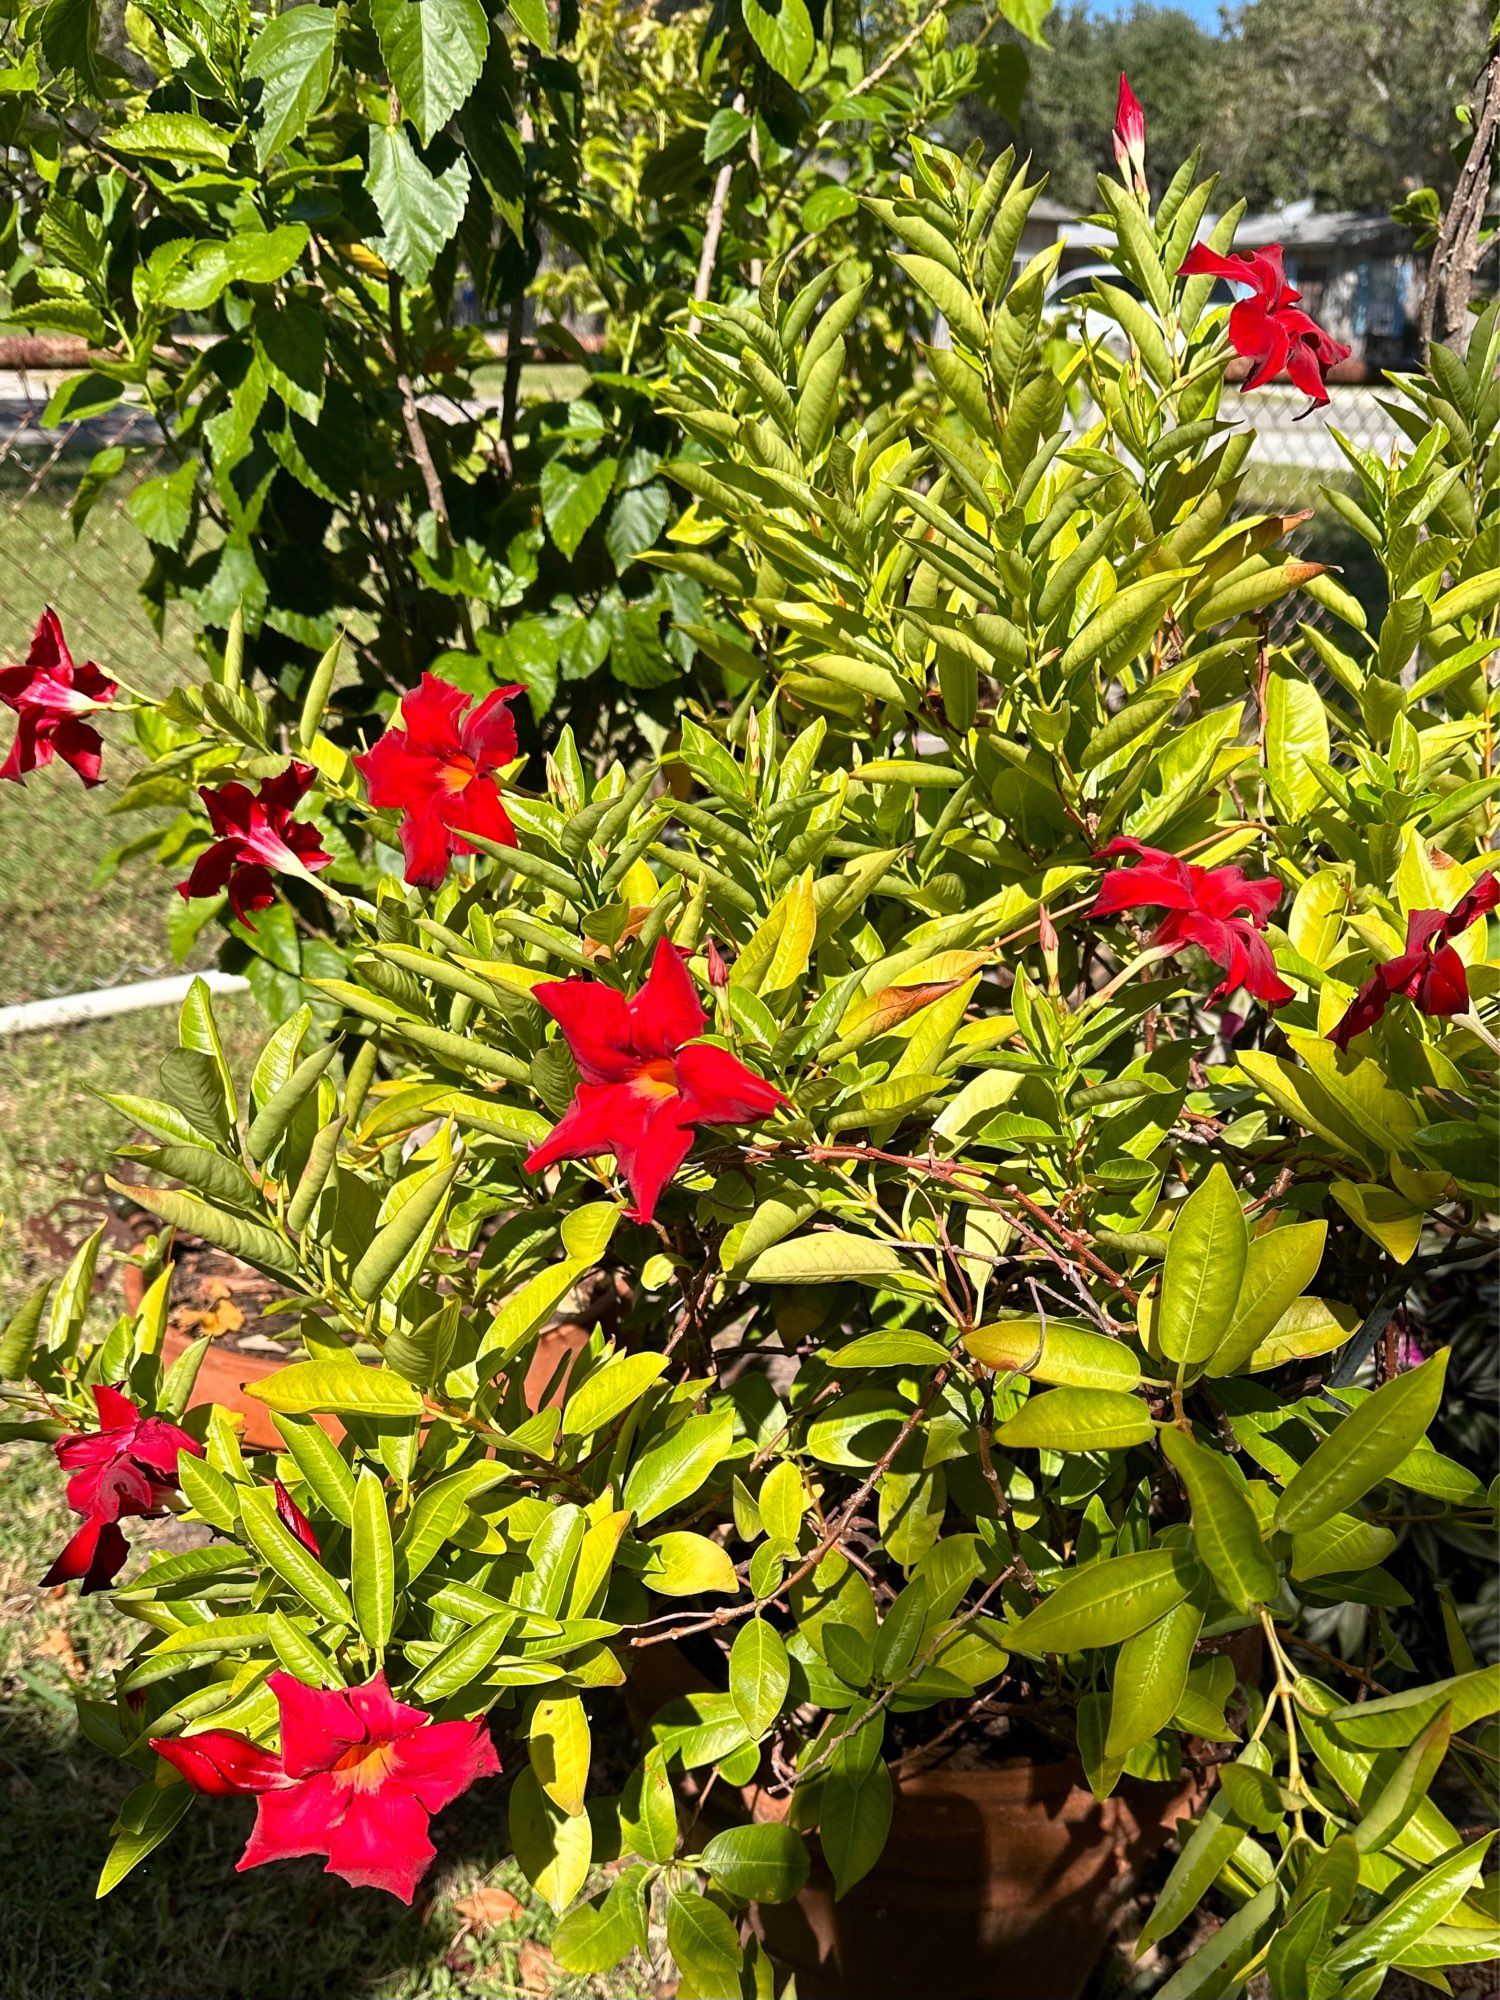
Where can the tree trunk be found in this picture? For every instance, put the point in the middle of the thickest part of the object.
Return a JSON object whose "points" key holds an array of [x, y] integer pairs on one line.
{"points": [[1450, 277]]}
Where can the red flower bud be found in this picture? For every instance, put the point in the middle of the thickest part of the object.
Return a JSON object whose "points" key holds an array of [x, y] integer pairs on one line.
{"points": [[220, 1763], [293, 1518], [718, 971]]}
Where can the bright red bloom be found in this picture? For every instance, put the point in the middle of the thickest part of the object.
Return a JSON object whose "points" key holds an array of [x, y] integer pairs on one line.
{"points": [[646, 1079], [1269, 329], [256, 834], [1429, 972], [438, 772], [128, 1466], [358, 1777], [294, 1520], [1130, 137], [50, 694], [1204, 907]]}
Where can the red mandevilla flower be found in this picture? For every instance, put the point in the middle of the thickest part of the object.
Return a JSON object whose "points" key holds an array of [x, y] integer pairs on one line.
{"points": [[646, 1079], [438, 773], [358, 1777], [1429, 972], [294, 1520], [127, 1466], [1269, 329], [50, 694], [1130, 137], [1204, 907], [256, 836]]}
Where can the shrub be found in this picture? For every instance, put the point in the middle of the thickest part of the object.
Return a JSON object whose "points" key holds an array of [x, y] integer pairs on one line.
{"points": [[990, 1300]]}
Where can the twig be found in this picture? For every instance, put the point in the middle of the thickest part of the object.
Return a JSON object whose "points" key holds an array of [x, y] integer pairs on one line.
{"points": [[731, 1614], [713, 229]]}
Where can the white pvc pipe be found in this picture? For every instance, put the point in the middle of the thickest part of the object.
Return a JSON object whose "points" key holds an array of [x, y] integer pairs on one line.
{"points": [[66, 1010]]}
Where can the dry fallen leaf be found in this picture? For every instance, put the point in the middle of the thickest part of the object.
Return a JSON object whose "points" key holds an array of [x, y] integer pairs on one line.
{"points": [[55, 1644], [537, 1967], [223, 1316], [484, 1908]]}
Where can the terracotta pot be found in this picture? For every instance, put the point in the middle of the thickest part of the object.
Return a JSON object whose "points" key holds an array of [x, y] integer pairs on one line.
{"points": [[1002, 1883]]}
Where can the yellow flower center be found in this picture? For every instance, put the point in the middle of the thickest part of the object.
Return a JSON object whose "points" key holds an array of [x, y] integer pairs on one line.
{"points": [[657, 1078], [458, 772], [366, 1766]]}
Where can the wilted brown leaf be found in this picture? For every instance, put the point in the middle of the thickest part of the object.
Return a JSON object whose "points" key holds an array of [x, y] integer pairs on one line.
{"points": [[489, 1906]]}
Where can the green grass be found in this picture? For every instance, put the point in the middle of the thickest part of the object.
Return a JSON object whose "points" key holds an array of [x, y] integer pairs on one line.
{"points": [[63, 932]]}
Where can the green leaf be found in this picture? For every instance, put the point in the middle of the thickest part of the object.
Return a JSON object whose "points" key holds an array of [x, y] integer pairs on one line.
{"points": [[342, 1387], [162, 508], [1218, 1966], [782, 1501], [147, 1816], [289, 345], [572, 498], [173, 135], [561, 1747], [783, 32], [703, 1940], [248, 1240], [321, 1464], [1407, 1786], [1061, 1351], [1204, 1269], [190, 1078], [553, 1848], [1367, 1446], [1300, 1946], [282, 1552], [1079, 1420], [856, 1817], [1194, 1872], [1413, 1912], [825, 1255], [610, 1391], [595, 1937], [276, 1114], [391, 1244], [1105, 1603], [1150, 1676], [1226, 1528], [673, 1470], [759, 1675], [1398, 1718], [372, 1561], [434, 51], [292, 58], [419, 211], [18, 1341], [952, 298], [687, 1564], [1296, 737], [1279, 1267], [758, 1863]]}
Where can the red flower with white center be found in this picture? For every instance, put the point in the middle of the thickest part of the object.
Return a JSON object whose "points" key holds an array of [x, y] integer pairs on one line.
{"points": [[438, 772], [1429, 972], [128, 1466], [51, 693], [256, 837], [294, 1520], [357, 1779], [1220, 910], [646, 1078], [1269, 329], [1130, 137]]}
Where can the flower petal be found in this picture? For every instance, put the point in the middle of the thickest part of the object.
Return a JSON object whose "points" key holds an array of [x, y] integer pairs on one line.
{"points": [[382, 1715], [427, 844], [381, 1842], [1444, 985], [488, 735], [718, 1089], [299, 1820], [439, 1762], [595, 1021], [429, 714], [81, 748], [602, 1118], [667, 1011], [96, 1553], [478, 809], [317, 1724], [649, 1158], [222, 1763]]}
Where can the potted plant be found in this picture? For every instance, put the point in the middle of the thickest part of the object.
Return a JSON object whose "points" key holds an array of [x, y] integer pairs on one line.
{"points": [[987, 1403]]}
